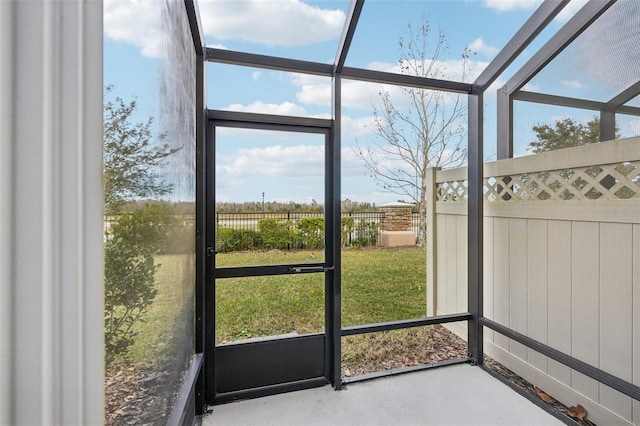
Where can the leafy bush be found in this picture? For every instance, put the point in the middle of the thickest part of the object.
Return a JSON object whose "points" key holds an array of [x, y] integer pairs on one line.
{"points": [[366, 234], [150, 226], [229, 239], [276, 233], [311, 232], [130, 272], [308, 233], [129, 290], [182, 240], [346, 229]]}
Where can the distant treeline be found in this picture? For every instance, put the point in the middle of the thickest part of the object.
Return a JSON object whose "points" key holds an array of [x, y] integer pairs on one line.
{"points": [[185, 207], [256, 206], [276, 207]]}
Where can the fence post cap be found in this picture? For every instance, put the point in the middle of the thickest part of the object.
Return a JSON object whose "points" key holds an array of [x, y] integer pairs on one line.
{"points": [[397, 204]]}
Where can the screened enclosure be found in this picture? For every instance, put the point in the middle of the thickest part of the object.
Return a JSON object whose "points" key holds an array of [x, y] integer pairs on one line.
{"points": [[526, 196]]}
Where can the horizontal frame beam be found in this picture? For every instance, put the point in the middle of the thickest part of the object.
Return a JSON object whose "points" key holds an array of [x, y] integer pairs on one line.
{"points": [[603, 377], [396, 325], [265, 61], [403, 370], [543, 98], [256, 271], [327, 70], [625, 96], [534, 399], [246, 119], [223, 398], [383, 77]]}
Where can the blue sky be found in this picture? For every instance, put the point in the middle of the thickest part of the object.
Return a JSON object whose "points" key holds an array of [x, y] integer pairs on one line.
{"points": [[288, 167]]}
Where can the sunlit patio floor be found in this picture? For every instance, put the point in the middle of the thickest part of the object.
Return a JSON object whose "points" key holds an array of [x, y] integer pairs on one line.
{"points": [[454, 395]]}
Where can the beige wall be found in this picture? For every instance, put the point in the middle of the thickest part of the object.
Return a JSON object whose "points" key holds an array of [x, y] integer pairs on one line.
{"points": [[563, 272]]}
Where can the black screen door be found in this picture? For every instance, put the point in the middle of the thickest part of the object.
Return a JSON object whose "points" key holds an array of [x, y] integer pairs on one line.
{"points": [[270, 215]]}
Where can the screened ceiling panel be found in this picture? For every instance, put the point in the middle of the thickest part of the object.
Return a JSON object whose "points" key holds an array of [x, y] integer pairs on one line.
{"points": [[376, 44], [308, 30], [600, 63], [635, 102]]}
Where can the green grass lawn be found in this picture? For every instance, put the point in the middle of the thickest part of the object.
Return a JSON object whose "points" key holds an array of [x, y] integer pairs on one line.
{"points": [[377, 285], [156, 333], [383, 285]]}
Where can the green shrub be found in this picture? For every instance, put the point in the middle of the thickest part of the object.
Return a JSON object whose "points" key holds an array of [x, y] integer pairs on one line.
{"points": [[311, 232], [346, 229], [276, 233], [150, 226], [229, 239], [182, 240], [366, 234], [130, 270], [129, 290]]}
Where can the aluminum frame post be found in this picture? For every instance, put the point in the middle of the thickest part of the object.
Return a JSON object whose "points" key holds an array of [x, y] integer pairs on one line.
{"points": [[607, 125], [335, 296], [475, 227], [504, 120]]}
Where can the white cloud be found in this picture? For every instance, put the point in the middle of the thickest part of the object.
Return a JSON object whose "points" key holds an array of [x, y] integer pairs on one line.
{"points": [[356, 127], [449, 69], [256, 75], [572, 84], [509, 5], [285, 108], [352, 165], [313, 90], [376, 197], [570, 9], [361, 95], [275, 161], [478, 45], [272, 23], [137, 22], [355, 94], [351, 127], [634, 127]]}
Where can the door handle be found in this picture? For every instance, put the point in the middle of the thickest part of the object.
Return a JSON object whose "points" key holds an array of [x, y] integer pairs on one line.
{"points": [[300, 269]]}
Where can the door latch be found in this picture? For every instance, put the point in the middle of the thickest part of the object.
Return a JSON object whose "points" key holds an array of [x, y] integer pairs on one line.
{"points": [[211, 251], [300, 269]]}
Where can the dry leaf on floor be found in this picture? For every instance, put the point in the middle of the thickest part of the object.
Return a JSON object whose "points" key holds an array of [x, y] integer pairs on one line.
{"points": [[578, 412], [543, 395]]}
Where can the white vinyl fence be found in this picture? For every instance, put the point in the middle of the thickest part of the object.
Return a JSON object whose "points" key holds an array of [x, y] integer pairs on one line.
{"points": [[561, 265]]}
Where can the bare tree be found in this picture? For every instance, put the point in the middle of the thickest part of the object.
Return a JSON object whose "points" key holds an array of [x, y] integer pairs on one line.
{"points": [[418, 128]]}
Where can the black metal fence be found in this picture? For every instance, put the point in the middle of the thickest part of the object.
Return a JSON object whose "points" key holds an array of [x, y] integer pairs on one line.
{"points": [[295, 230]]}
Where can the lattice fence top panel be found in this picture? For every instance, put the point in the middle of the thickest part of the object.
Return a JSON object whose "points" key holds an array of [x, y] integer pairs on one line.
{"points": [[603, 182], [620, 181], [452, 191]]}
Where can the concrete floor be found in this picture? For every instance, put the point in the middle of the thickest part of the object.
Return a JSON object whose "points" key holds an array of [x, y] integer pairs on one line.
{"points": [[454, 395]]}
